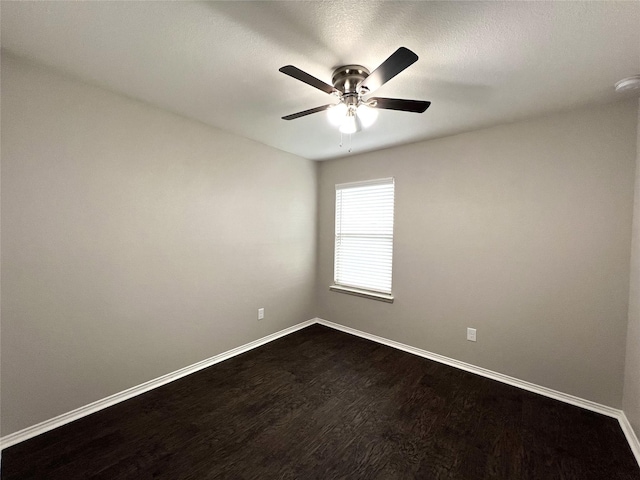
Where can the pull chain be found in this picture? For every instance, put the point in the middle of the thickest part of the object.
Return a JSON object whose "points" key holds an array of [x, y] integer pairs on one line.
{"points": [[342, 141]]}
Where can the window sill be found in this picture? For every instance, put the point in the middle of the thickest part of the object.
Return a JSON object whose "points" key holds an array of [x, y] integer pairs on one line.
{"points": [[382, 297]]}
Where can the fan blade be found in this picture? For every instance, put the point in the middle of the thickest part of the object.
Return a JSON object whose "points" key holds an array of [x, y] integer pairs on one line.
{"points": [[417, 106], [392, 66], [298, 74], [306, 112]]}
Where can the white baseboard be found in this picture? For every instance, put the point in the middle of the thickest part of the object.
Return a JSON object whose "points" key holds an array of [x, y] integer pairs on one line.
{"points": [[500, 377], [634, 443], [78, 413], [532, 387], [93, 407]]}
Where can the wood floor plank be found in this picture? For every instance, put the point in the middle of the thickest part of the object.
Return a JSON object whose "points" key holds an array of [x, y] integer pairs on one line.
{"points": [[322, 404]]}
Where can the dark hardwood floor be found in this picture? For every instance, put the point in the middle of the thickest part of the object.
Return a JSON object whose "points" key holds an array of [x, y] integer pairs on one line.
{"points": [[321, 404]]}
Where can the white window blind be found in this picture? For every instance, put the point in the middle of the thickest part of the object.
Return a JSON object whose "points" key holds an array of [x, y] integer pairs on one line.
{"points": [[364, 235]]}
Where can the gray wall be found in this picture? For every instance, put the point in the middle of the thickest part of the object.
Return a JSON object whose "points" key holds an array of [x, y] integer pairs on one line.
{"points": [[522, 231], [631, 401], [136, 242]]}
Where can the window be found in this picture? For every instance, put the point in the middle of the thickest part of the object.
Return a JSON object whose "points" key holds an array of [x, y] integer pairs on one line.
{"points": [[364, 238]]}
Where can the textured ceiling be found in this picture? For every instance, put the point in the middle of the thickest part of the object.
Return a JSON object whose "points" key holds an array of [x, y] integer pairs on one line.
{"points": [[481, 63]]}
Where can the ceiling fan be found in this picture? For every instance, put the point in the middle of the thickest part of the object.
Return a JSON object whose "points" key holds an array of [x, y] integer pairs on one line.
{"points": [[351, 83]]}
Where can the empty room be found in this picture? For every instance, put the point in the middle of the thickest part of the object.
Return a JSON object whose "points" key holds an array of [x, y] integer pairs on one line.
{"points": [[320, 240]]}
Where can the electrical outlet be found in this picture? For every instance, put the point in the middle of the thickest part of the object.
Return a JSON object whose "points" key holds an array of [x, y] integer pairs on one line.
{"points": [[471, 334], [260, 313]]}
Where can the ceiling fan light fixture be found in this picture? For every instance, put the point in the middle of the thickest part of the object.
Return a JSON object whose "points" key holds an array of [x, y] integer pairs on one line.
{"points": [[351, 119], [351, 83], [336, 114], [366, 115], [350, 123]]}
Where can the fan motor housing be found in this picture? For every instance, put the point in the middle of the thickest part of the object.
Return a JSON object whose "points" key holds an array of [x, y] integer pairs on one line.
{"points": [[348, 77]]}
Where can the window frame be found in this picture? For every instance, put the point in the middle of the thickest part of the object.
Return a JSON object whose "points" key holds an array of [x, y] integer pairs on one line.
{"points": [[344, 287]]}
